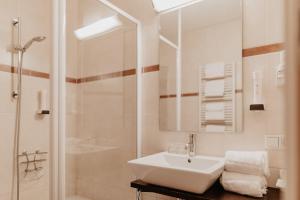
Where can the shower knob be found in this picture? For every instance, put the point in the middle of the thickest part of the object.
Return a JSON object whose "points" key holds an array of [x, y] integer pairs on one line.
{"points": [[15, 94]]}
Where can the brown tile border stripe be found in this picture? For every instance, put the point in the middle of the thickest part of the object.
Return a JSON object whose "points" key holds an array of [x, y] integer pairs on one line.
{"points": [[128, 72], [5, 68], [71, 80], [263, 49], [166, 96], [152, 68], [246, 53], [27, 72], [191, 94], [107, 76]]}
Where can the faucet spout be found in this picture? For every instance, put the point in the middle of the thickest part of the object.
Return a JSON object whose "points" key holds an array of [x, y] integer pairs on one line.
{"points": [[191, 145]]}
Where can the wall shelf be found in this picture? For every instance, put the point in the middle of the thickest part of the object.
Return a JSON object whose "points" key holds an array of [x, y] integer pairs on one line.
{"points": [[216, 192]]}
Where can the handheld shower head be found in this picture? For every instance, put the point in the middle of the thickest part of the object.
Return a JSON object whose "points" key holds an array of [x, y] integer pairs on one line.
{"points": [[35, 39]]}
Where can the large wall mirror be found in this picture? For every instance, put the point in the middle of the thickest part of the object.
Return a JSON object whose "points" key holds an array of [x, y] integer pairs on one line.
{"points": [[201, 78]]}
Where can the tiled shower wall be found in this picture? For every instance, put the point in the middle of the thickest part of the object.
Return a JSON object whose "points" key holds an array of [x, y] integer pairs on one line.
{"points": [[35, 20]]}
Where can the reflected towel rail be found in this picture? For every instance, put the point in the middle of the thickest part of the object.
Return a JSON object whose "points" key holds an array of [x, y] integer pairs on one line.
{"points": [[228, 98]]}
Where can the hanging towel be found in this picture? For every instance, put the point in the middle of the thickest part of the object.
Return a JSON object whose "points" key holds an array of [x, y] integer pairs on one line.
{"points": [[215, 115], [214, 128], [247, 162], [214, 88], [214, 111], [251, 185], [218, 106], [214, 70]]}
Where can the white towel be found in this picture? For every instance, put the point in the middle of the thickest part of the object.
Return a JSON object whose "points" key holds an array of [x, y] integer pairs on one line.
{"points": [[217, 106], [214, 70], [214, 115], [244, 184], [247, 162], [214, 88], [214, 128], [214, 111]]}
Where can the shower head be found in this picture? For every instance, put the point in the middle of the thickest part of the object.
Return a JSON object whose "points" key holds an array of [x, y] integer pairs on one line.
{"points": [[35, 39]]}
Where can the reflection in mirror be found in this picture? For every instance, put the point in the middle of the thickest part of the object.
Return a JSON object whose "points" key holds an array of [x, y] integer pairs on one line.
{"points": [[167, 82], [210, 50], [169, 27]]}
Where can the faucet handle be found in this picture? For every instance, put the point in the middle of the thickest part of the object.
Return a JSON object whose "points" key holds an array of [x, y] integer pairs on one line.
{"points": [[186, 146], [192, 137]]}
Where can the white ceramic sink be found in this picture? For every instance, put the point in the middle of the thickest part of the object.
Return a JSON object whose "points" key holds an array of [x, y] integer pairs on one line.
{"points": [[174, 171]]}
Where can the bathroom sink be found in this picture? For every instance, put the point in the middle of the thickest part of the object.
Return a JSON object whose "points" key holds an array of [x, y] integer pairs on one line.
{"points": [[177, 171]]}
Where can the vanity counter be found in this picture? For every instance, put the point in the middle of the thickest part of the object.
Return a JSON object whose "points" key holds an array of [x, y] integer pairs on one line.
{"points": [[216, 192]]}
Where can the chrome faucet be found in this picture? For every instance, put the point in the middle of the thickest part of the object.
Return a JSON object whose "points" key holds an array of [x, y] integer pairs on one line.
{"points": [[191, 145]]}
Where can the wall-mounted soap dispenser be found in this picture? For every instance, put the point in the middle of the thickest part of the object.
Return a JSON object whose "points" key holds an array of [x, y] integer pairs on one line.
{"points": [[257, 104], [280, 71], [43, 101]]}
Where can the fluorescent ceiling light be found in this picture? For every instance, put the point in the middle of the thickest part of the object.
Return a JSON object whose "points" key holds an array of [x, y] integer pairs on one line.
{"points": [[98, 28], [162, 5]]}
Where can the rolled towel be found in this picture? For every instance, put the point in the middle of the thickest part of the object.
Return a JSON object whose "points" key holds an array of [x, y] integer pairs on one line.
{"points": [[247, 162], [251, 185]]}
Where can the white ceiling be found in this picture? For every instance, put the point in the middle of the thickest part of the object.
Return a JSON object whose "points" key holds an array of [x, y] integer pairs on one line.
{"points": [[210, 12], [202, 14]]}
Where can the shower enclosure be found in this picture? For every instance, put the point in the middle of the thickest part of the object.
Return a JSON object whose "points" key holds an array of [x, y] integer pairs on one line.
{"points": [[101, 99], [80, 120]]}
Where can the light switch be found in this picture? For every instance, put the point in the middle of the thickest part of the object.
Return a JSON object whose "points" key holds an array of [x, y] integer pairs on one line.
{"points": [[271, 142]]}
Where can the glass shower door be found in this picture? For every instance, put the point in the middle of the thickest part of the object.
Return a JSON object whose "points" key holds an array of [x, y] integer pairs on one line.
{"points": [[101, 133]]}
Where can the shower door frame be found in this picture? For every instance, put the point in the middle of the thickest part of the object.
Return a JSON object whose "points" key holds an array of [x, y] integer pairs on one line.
{"points": [[58, 84]]}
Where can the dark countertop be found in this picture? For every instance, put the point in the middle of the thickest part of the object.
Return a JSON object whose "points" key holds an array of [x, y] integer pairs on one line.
{"points": [[216, 192]]}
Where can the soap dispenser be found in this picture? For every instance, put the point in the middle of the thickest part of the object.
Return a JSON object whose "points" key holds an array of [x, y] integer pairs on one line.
{"points": [[257, 104], [280, 71]]}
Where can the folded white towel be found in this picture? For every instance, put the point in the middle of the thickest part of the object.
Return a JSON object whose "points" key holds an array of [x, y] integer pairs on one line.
{"points": [[217, 106], [247, 162], [214, 115], [214, 111], [214, 88], [244, 184], [214, 70], [214, 128]]}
